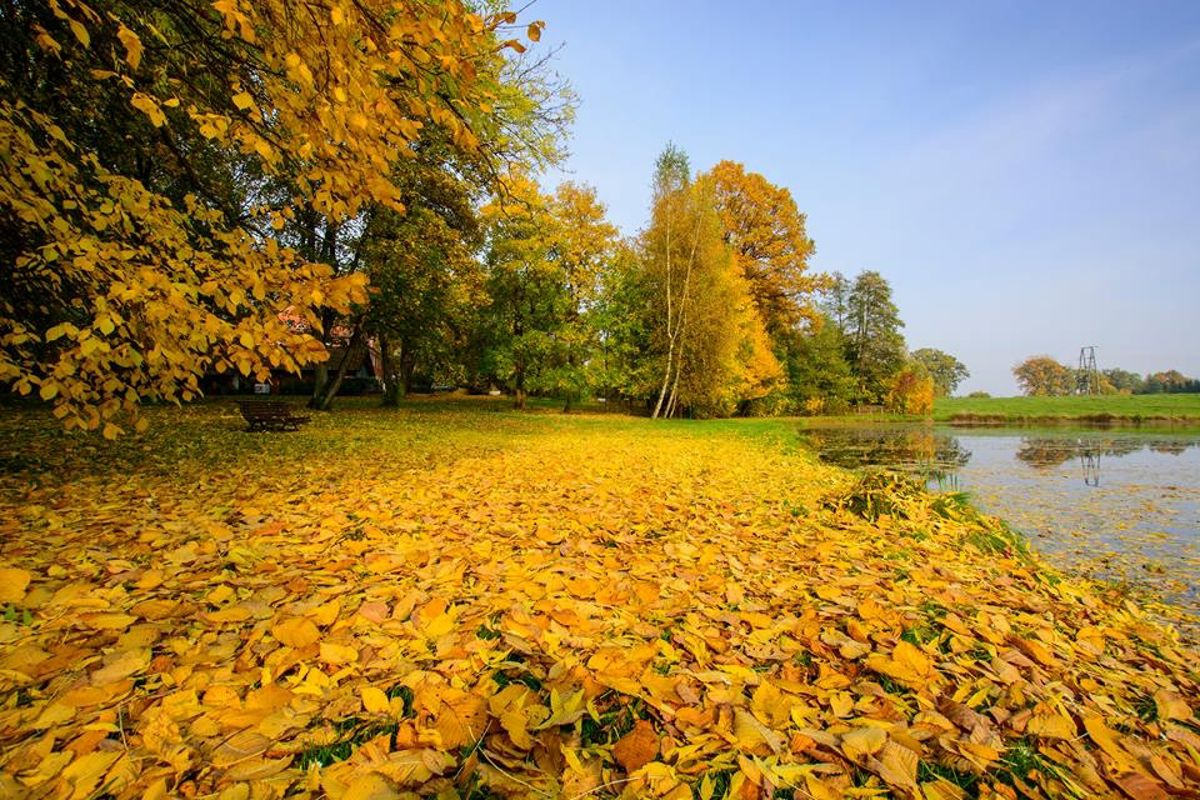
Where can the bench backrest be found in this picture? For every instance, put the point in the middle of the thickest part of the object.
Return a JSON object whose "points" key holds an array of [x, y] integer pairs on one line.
{"points": [[264, 409]]}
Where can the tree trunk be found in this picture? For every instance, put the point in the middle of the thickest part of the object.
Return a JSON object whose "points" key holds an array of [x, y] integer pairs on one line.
{"points": [[678, 334], [320, 378], [392, 387], [519, 385], [408, 364], [335, 384], [662, 392]]}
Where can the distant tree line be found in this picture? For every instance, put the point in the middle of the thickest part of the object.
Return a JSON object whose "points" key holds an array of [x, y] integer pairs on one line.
{"points": [[1043, 376]]}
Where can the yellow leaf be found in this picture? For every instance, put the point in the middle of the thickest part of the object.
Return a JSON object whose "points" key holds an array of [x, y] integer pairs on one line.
{"points": [[941, 789], [297, 632], [638, 747], [534, 31], [862, 742], [1105, 738], [897, 765], [108, 621], [371, 786], [243, 100], [132, 45], [83, 773], [13, 582], [564, 710], [1171, 706], [1053, 726], [148, 106], [911, 656], [326, 613], [374, 700], [752, 735], [81, 33], [122, 666], [332, 653]]}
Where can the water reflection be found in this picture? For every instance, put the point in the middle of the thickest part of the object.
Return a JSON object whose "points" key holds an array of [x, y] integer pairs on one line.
{"points": [[920, 449], [1118, 505], [935, 452], [1090, 462]]}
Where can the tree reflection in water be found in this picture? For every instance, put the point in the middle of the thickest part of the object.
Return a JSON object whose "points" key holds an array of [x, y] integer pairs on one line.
{"points": [[918, 449], [1053, 451]]}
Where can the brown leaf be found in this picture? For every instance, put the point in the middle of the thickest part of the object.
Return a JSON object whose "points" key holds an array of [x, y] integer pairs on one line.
{"points": [[638, 747]]}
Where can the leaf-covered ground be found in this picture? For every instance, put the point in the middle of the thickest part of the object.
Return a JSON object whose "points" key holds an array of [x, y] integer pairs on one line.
{"points": [[462, 603]]}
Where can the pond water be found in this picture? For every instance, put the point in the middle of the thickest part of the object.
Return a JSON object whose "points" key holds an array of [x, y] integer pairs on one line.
{"points": [[1118, 504]]}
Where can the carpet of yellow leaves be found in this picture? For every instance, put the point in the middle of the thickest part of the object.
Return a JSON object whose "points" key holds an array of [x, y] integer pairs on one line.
{"points": [[478, 605]]}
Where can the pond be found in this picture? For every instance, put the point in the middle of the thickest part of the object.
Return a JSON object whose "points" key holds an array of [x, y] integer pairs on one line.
{"points": [[1116, 504]]}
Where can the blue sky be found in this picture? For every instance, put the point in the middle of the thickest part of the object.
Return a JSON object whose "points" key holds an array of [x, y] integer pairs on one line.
{"points": [[1025, 174]]}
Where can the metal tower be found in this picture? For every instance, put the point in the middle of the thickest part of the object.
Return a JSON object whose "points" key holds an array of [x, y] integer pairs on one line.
{"points": [[1087, 378]]}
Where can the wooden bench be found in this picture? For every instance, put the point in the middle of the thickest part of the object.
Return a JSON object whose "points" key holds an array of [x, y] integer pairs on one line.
{"points": [[270, 415]]}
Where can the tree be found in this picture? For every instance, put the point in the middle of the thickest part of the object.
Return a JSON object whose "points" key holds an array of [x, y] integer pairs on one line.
{"points": [[1124, 381], [672, 177], [713, 346], [945, 370], [771, 248], [544, 258], [584, 248], [819, 379], [875, 347], [1171, 381], [835, 303], [1042, 376], [911, 390], [423, 270], [624, 315], [139, 140]]}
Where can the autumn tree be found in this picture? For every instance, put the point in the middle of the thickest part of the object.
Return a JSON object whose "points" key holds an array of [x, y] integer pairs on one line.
{"points": [[584, 249], [420, 313], [140, 144], [624, 316], [713, 348], [874, 345], [1171, 381], [766, 232], [911, 390], [835, 299], [1042, 376], [945, 370]]}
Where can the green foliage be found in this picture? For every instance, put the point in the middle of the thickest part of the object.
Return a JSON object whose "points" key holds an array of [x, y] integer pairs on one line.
{"points": [[544, 260], [874, 345], [819, 379], [945, 370]]}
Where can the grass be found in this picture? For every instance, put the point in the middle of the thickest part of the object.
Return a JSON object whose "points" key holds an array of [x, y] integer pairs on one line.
{"points": [[1099, 408]]}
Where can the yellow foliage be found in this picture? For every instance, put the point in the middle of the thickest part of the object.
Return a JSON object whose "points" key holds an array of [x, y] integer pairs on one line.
{"points": [[143, 291], [911, 392]]}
